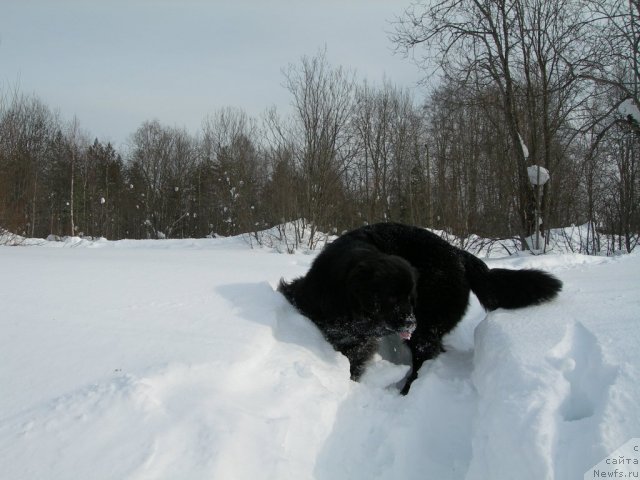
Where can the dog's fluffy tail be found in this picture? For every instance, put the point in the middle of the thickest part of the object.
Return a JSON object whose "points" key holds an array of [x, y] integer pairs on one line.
{"points": [[502, 288]]}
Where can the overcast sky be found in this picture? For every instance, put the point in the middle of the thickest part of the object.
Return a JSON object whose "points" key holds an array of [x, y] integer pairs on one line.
{"points": [[115, 64]]}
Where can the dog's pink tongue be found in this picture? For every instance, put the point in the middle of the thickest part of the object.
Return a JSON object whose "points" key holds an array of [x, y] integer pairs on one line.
{"points": [[405, 335]]}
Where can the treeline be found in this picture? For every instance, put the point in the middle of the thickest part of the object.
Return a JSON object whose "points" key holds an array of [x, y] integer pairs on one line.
{"points": [[524, 82]]}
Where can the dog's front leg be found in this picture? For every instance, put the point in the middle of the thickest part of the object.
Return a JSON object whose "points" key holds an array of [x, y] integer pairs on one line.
{"points": [[423, 348], [359, 353]]}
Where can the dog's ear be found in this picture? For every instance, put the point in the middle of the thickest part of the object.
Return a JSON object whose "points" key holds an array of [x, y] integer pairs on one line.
{"points": [[360, 280]]}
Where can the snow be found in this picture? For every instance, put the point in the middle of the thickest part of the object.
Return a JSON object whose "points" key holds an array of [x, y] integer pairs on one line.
{"points": [[177, 359], [538, 175], [629, 108]]}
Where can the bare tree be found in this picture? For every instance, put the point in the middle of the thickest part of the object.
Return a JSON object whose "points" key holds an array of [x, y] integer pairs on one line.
{"points": [[373, 124], [523, 50], [613, 130], [26, 126], [77, 141], [162, 159], [615, 28], [387, 129], [323, 104], [230, 149]]}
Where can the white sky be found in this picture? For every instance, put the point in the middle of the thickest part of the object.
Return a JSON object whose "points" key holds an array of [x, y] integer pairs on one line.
{"points": [[117, 63]]}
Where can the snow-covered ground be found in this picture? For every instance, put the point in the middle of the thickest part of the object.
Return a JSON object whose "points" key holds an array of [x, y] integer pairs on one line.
{"points": [[176, 359]]}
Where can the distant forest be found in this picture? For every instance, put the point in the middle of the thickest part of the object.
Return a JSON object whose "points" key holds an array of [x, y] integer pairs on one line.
{"points": [[517, 83]]}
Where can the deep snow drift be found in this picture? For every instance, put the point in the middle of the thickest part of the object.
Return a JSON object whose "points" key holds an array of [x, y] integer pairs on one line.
{"points": [[178, 360]]}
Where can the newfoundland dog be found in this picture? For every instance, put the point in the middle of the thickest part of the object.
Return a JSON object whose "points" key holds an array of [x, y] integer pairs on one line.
{"points": [[393, 278]]}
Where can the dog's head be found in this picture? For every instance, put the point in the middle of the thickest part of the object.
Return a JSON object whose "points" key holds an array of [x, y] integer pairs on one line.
{"points": [[382, 289]]}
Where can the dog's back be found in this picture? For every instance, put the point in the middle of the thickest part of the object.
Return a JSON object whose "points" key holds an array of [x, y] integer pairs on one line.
{"points": [[432, 255]]}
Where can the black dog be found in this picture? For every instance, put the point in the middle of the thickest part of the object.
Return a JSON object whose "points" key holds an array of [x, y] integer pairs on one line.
{"points": [[390, 277]]}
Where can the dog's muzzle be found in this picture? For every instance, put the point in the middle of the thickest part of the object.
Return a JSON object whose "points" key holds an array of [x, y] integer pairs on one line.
{"points": [[408, 328]]}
